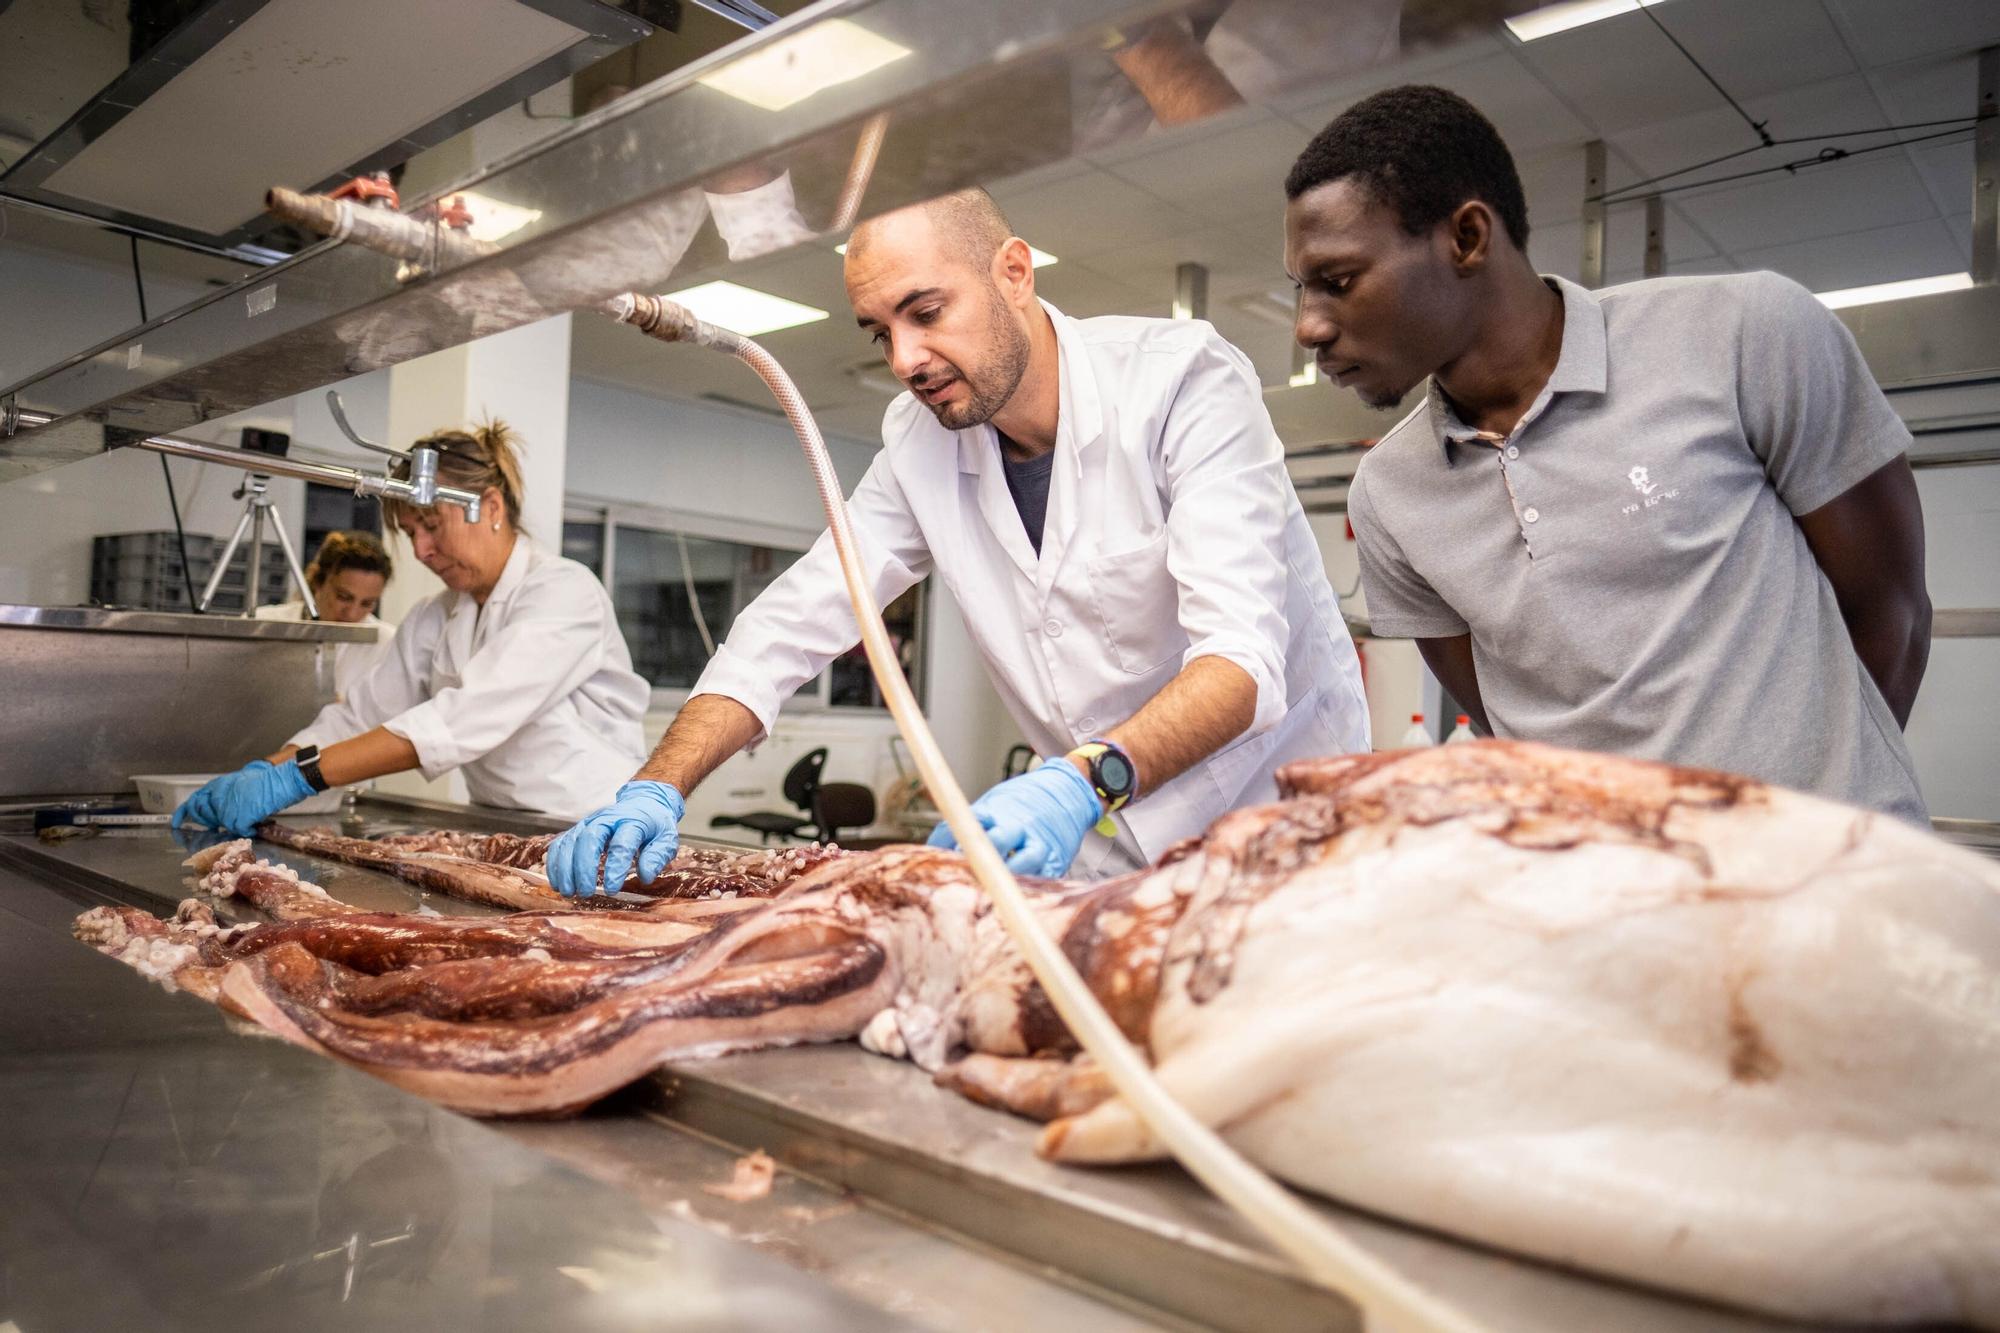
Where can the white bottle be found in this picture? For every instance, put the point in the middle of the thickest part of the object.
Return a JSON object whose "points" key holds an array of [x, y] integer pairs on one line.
{"points": [[1461, 732], [1416, 735]]}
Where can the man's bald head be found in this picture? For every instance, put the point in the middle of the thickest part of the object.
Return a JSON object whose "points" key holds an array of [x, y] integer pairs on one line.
{"points": [[966, 226]]}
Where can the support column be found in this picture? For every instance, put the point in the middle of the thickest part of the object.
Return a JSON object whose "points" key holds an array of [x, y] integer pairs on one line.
{"points": [[1191, 292], [1986, 172], [1590, 272], [1656, 236]]}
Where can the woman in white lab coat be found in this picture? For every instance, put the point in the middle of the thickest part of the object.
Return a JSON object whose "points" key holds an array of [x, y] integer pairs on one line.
{"points": [[515, 674], [346, 579]]}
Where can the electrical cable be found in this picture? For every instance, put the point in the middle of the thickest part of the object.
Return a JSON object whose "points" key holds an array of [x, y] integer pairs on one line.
{"points": [[180, 536], [1824, 157], [139, 281], [173, 500], [1701, 69], [694, 598], [1617, 195]]}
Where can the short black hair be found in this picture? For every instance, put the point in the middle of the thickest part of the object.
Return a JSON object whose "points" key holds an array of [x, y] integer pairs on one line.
{"points": [[1423, 151]]}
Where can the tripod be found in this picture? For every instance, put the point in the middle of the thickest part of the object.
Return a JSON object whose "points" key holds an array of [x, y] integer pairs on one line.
{"points": [[257, 511]]}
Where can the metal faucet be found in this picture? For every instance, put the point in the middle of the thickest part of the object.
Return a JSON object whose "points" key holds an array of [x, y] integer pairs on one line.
{"points": [[421, 487]]}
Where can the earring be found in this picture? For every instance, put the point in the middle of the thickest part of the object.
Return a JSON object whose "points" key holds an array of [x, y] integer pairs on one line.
{"points": [[496, 525]]}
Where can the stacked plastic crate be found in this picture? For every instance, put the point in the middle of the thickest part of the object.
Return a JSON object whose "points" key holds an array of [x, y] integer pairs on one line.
{"points": [[143, 570]]}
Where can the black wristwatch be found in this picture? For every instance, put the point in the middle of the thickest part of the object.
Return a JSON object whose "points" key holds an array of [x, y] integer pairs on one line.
{"points": [[1112, 775], [308, 761]]}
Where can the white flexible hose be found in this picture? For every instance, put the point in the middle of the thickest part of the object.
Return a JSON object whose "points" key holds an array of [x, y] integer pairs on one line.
{"points": [[1317, 1248]]}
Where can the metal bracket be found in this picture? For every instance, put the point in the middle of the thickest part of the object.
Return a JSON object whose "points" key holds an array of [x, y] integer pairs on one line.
{"points": [[1986, 171], [1656, 236], [1591, 271]]}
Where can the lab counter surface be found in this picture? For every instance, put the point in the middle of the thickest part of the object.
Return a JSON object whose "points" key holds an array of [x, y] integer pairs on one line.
{"points": [[165, 1167]]}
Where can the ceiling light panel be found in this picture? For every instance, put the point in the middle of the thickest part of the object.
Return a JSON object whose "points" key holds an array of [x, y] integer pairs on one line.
{"points": [[744, 310], [811, 60], [1895, 291], [1552, 19]]}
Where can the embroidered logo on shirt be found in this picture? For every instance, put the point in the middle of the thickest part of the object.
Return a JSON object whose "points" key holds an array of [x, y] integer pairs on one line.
{"points": [[1648, 489]]}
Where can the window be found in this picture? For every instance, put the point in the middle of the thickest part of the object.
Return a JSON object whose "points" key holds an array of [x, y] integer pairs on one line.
{"points": [[679, 581], [678, 595]]}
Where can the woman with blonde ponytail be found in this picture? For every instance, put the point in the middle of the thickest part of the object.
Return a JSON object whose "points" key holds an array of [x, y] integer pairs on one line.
{"points": [[346, 579], [516, 673]]}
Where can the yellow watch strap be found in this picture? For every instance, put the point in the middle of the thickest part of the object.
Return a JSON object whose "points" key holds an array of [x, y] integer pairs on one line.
{"points": [[1087, 752]]}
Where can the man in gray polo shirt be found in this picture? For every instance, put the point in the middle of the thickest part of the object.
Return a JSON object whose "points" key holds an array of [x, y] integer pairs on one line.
{"points": [[1672, 519]]}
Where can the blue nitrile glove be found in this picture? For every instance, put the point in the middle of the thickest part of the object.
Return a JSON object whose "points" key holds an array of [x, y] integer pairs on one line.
{"points": [[240, 801], [643, 820], [1037, 820]]}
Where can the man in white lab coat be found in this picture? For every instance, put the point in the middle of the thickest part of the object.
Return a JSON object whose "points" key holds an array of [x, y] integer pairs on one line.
{"points": [[1107, 501]]}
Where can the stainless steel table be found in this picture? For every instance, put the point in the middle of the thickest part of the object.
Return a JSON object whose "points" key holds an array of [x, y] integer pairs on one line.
{"points": [[183, 1173]]}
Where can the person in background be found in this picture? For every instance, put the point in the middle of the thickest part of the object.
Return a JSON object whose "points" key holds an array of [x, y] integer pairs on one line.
{"points": [[1672, 519], [346, 578], [1107, 500], [516, 673]]}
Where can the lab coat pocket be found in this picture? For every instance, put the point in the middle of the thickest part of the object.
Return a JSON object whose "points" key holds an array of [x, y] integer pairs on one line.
{"points": [[1139, 604]]}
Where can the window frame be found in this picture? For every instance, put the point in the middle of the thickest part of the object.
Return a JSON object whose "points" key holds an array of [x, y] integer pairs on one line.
{"points": [[816, 696]]}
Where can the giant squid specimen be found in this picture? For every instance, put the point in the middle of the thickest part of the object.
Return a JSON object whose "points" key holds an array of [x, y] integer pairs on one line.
{"points": [[1661, 1023]]}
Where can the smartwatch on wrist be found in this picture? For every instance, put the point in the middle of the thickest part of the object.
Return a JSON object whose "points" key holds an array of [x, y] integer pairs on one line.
{"points": [[1113, 776], [308, 761]]}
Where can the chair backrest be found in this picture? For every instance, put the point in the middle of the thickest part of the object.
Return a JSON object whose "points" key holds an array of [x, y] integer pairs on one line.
{"points": [[802, 779], [839, 805]]}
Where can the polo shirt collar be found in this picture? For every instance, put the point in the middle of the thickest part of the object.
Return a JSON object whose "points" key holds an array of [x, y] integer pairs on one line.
{"points": [[1582, 365]]}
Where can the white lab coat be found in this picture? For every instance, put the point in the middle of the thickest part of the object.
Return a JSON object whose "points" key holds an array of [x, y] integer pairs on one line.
{"points": [[533, 695], [351, 661], [1172, 533]]}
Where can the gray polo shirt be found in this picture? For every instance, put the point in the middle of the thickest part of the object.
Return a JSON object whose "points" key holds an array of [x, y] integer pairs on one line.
{"points": [[1626, 560]]}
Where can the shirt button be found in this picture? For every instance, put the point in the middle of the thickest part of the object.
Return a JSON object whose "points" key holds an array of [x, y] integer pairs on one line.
{"points": [[1530, 515], [1053, 628], [1513, 451], [1086, 724]]}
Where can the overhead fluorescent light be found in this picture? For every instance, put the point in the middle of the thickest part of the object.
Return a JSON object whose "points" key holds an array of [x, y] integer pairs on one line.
{"points": [[491, 218], [744, 310], [811, 60], [1895, 291], [1552, 19], [1304, 375], [1036, 258]]}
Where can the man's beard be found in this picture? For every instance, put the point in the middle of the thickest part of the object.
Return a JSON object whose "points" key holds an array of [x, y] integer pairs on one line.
{"points": [[1002, 367]]}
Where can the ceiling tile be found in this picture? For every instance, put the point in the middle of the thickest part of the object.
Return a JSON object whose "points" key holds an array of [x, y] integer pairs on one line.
{"points": [[1311, 109], [1237, 258], [1520, 105], [1618, 73], [1088, 214], [1960, 227], [1876, 191], [1932, 88], [1553, 181], [1859, 258], [1735, 42], [1947, 170], [1218, 176], [1076, 290], [1882, 32]]}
